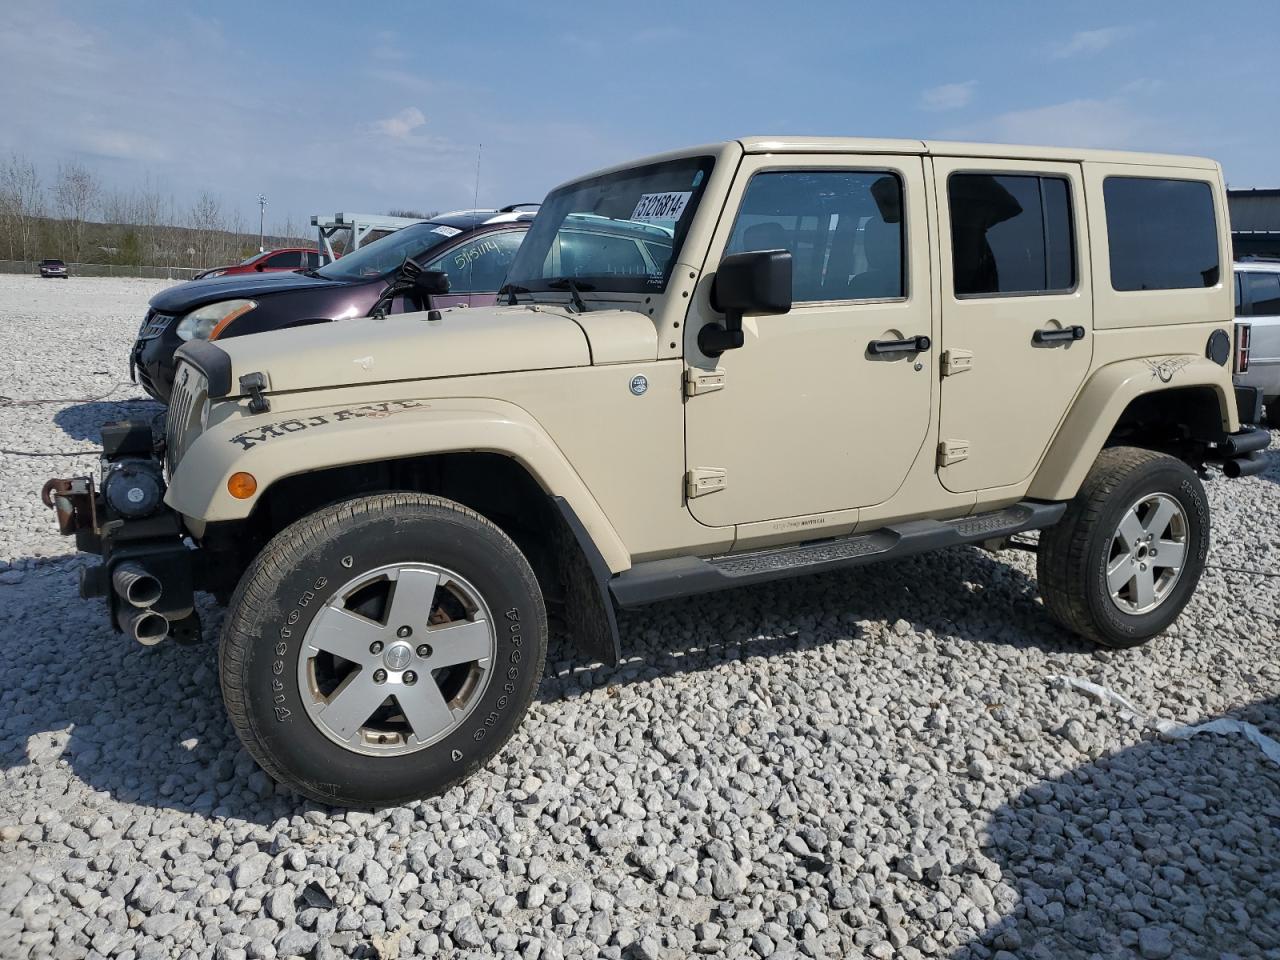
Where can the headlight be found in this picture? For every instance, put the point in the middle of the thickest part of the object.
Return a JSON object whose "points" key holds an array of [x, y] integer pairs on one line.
{"points": [[210, 320]]}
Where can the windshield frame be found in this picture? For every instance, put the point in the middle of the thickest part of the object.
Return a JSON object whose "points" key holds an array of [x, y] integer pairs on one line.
{"points": [[552, 218], [340, 269]]}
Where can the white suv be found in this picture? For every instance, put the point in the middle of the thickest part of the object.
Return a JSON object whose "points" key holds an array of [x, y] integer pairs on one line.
{"points": [[1258, 330]]}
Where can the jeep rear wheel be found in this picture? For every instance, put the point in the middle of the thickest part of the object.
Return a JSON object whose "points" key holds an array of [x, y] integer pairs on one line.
{"points": [[381, 649], [1128, 553]]}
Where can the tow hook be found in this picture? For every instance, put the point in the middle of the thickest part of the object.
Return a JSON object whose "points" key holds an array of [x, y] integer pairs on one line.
{"points": [[74, 503]]}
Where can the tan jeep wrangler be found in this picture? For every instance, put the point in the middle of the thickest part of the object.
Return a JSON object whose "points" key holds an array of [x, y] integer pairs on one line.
{"points": [[711, 368]]}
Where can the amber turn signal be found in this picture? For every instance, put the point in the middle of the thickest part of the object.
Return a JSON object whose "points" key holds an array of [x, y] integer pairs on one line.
{"points": [[242, 486]]}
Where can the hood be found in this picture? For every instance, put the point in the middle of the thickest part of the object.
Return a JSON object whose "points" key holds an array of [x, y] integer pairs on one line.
{"points": [[183, 297], [408, 346]]}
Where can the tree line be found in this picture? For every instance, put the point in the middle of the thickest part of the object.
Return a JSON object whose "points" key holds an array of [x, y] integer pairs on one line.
{"points": [[74, 217]]}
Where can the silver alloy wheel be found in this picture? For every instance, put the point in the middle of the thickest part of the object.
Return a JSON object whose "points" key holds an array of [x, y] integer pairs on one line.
{"points": [[1148, 553], [396, 658]]}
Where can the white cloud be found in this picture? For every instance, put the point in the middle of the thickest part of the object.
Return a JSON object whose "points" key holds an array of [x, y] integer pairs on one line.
{"points": [[948, 96], [399, 126], [1073, 123], [1089, 42]]}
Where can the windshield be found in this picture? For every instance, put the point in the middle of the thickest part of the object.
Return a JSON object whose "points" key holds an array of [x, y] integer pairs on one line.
{"points": [[619, 232], [387, 253]]}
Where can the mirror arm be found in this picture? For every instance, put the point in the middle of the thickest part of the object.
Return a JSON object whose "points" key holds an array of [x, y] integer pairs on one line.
{"points": [[714, 339]]}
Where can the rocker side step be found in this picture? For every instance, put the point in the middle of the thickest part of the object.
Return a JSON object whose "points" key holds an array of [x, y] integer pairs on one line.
{"points": [[683, 576]]}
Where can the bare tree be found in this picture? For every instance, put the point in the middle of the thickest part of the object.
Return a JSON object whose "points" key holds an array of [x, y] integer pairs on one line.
{"points": [[76, 193], [206, 222], [413, 214], [21, 205]]}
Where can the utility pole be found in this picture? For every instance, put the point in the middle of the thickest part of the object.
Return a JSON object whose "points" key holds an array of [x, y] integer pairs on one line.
{"points": [[262, 219]]}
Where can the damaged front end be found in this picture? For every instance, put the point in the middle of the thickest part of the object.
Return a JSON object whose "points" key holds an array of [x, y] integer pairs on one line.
{"points": [[149, 571]]}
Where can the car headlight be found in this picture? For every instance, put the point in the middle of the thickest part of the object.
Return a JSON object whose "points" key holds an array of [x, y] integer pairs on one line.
{"points": [[210, 320]]}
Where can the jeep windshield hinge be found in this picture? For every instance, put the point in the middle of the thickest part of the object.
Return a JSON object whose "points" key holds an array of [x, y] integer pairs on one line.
{"points": [[956, 361], [952, 451], [703, 480], [697, 382]]}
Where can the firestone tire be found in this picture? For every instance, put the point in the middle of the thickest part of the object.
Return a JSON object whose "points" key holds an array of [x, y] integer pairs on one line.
{"points": [[1104, 537], [347, 563]]}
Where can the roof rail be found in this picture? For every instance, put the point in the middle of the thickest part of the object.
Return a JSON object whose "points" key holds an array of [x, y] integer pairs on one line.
{"points": [[512, 207]]}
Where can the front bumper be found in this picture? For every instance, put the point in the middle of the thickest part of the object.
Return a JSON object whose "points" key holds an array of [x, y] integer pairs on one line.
{"points": [[150, 549]]}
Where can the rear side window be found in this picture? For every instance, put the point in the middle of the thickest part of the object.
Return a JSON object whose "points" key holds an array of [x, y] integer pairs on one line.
{"points": [[1163, 234], [1264, 294], [1011, 234]]}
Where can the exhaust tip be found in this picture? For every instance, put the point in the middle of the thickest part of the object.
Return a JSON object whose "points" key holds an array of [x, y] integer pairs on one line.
{"points": [[145, 626], [135, 585]]}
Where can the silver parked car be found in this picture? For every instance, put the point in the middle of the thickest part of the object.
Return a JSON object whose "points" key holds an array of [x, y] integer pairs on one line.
{"points": [[1258, 330]]}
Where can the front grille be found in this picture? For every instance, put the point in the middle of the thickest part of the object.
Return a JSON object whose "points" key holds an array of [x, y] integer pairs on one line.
{"points": [[154, 324], [185, 406]]}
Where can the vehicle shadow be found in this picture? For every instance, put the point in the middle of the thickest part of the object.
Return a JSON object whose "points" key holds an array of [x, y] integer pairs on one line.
{"points": [[1167, 849], [84, 421], [147, 725], [961, 592]]}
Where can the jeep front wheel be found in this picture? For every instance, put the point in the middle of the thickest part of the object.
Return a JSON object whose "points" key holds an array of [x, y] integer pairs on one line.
{"points": [[1128, 553], [381, 649]]}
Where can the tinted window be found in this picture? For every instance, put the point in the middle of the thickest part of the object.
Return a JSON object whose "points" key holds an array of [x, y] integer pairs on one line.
{"points": [[1239, 296], [480, 265], [285, 261], [1264, 294], [1010, 234], [844, 231], [1162, 233]]}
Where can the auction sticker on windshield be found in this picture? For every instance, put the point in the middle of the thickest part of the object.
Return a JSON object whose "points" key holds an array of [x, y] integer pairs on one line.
{"points": [[446, 231], [661, 206]]}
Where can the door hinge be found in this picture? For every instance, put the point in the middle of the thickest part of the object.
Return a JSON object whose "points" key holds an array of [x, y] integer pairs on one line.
{"points": [[703, 480], [697, 381], [956, 361], [952, 451]]}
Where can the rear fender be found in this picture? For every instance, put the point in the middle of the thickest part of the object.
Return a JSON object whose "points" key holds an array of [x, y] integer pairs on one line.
{"points": [[1102, 401]]}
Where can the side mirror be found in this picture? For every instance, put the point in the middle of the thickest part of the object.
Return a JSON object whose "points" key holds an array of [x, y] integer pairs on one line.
{"points": [[431, 283], [260, 265], [756, 282]]}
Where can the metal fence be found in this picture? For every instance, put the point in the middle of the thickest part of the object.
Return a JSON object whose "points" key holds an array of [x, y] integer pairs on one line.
{"points": [[104, 270]]}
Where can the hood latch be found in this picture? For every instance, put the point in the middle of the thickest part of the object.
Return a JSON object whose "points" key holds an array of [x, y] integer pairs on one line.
{"points": [[253, 384]]}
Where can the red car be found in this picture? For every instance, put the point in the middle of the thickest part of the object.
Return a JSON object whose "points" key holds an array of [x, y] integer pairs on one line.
{"points": [[286, 258]]}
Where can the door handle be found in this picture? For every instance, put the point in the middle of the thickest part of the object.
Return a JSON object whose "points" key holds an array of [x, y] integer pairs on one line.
{"points": [[1065, 335], [878, 348]]}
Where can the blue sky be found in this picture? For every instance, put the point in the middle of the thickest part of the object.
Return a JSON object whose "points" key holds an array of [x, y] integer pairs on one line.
{"points": [[367, 106]]}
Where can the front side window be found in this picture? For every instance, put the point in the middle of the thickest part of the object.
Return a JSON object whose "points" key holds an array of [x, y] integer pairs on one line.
{"points": [[1010, 234], [1264, 294], [1163, 234], [591, 231], [843, 229], [481, 264], [285, 261]]}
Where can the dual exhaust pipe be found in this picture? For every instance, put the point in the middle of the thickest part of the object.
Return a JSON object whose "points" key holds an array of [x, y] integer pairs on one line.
{"points": [[139, 589]]}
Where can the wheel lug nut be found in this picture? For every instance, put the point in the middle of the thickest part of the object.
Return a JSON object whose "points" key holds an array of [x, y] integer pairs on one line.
{"points": [[424, 650], [379, 676], [410, 677], [375, 647], [404, 631]]}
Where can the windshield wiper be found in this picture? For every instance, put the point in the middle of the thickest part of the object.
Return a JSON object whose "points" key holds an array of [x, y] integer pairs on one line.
{"points": [[511, 289], [575, 289]]}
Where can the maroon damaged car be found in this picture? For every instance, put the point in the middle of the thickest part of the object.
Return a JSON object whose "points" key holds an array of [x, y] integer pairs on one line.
{"points": [[465, 253]]}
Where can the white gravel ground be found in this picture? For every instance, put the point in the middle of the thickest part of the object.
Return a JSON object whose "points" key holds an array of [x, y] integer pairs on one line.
{"points": [[880, 763]]}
